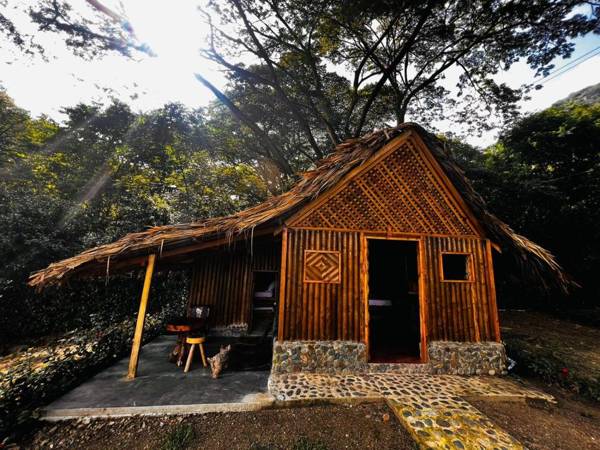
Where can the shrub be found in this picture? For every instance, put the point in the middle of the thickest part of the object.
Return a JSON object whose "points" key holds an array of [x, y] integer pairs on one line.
{"points": [[39, 375]]}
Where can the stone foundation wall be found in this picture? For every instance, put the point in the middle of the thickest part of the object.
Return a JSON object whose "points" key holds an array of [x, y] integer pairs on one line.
{"points": [[319, 356], [467, 358], [233, 330], [343, 357]]}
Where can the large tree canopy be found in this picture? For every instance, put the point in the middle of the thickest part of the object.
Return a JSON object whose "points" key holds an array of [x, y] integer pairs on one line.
{"points": [[543, 178], [305, 75], [330, 70]]}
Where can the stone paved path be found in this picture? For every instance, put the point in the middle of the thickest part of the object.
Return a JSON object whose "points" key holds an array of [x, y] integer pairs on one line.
{"points": [[432, 407]]}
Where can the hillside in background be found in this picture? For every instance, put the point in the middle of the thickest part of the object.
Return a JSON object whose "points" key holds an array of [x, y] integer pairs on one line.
{"points": [[588, 96]]}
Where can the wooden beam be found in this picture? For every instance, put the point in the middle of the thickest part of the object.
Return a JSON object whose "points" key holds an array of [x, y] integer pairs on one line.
{"points": [[141, 318], [492, 290], [282, 278], [423, 303], [185, 250], [364, 289]]}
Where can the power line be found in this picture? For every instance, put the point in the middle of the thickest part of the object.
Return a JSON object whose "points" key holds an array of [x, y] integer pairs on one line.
{"points": [[569, 63], [569, 66]]}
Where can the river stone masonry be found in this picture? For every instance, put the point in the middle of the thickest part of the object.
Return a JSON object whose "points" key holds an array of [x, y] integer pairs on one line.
{"points": [[233, 330], [319, 357], [467, 358]]}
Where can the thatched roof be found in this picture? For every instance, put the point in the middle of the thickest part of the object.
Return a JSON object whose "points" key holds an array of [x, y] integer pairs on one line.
{"points": [[536, 263]]}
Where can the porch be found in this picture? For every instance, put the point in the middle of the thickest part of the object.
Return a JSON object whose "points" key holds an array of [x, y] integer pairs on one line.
{"points": [[163, 388]]}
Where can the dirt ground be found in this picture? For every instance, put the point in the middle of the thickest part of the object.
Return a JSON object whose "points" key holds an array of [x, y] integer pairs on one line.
{"points": [[572, 424], [329, 427]]}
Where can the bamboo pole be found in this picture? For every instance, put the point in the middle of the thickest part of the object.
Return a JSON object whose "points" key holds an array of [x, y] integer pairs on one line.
{"points": [[141, 318], [493, 304], [423, 304], [282, 278]]}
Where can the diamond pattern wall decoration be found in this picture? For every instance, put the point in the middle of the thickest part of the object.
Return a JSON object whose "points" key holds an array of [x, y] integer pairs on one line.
{"points": [[322, 266]]}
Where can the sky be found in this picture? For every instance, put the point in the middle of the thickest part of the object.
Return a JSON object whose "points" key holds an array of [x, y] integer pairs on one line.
{"points": [[175, 33]]}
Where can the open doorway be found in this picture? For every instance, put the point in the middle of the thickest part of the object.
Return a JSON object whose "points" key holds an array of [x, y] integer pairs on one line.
{"points": [[264, 302], [394, 324]]}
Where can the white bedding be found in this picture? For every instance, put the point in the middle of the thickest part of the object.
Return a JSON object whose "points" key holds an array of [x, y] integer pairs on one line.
{"points": [[379, 302]]}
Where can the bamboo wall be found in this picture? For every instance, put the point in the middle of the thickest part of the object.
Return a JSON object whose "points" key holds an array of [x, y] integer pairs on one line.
{"points": [[461, 311], [224, 280], [320, 310], [458, 311], [401, 191]]}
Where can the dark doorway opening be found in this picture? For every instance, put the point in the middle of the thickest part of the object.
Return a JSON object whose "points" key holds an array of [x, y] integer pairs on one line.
{"points": [[264, 302], [394, 324]]}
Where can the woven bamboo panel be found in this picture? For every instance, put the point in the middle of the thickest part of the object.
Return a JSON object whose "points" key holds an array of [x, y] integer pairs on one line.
{"points": [[400, 193]]}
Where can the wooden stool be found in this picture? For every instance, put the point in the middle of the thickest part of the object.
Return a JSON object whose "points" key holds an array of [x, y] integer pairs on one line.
{"points": [[193, 341]]}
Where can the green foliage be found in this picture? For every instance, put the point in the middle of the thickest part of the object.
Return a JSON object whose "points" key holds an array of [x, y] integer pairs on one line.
{"points": [[104, 173], [179, 438], [543, 178], [548, 362], [38, 375]]}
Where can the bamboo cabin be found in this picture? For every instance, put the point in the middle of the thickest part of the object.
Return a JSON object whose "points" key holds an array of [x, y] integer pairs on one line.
{"points": [[381, 254]]}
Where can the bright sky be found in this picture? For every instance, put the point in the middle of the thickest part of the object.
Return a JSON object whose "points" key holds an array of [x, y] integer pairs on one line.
{"points": [[175, 33]]}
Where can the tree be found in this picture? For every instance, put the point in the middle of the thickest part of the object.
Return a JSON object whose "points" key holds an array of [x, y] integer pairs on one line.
{"points": [[103, 173], [338, 68], [89, 30], [543, 178], [328, 70], [13, 121]]}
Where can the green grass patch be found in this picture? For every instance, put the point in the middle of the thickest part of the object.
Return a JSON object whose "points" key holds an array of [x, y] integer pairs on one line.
{"points": [[178, 438]]}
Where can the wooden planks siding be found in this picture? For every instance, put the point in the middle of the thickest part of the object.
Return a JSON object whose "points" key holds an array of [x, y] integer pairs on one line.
{"points": [[224, 280], [323, 311]]}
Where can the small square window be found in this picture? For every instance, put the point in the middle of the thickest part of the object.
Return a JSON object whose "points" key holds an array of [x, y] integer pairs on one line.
{"points": [[455, 267]]}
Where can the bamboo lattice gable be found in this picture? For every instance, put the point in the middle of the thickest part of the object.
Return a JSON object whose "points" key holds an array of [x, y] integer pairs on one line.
{"points": [[400, 192]]}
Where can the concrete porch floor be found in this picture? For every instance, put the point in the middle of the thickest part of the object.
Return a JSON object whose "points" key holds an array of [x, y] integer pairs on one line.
{"points": [[162, 387]]}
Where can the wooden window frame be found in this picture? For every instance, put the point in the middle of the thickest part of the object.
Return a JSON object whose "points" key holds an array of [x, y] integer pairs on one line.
{"points": [[339, 276], [470, 267]]}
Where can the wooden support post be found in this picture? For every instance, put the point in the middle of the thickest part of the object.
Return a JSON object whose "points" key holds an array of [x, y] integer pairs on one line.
{"points": [[141, 318], [423, 304]]}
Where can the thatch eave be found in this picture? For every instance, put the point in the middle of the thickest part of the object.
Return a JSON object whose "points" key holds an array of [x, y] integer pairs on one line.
{"points": [[536, 263]]}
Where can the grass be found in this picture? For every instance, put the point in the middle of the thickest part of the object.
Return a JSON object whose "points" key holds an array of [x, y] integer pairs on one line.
{"points": [[179, 438], [305, 444], [557, 351]]}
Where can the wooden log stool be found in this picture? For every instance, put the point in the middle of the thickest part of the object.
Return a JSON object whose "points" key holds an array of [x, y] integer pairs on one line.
{"points": [[195, 341]]}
